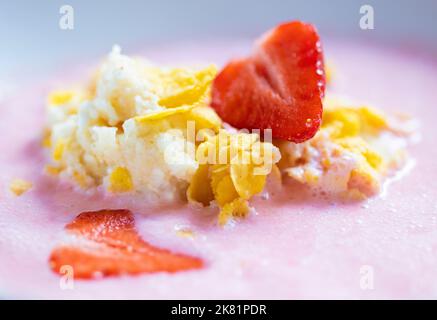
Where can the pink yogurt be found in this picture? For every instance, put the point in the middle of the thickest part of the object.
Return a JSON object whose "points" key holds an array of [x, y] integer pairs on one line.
{"points": [[295, 246]]}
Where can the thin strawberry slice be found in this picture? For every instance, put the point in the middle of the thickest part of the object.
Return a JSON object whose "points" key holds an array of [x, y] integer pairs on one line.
{"points": [[109, 245], [280, 86]]}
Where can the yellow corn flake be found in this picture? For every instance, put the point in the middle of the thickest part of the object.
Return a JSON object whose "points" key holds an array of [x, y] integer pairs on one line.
{"points": [[186, 88], [120, 180], [365, 181], [52, 170], [58, 98], [245, 181], [205, 117], [159, 115], [228, 171], [347, 121], [20, 186], [222, 185], [185, 233], [310, 177], [198, 190], [358, 146], [100, 122], [237, 208], [46, 141], [350, 121], [372, 118], [59, 149], [185, 99]]}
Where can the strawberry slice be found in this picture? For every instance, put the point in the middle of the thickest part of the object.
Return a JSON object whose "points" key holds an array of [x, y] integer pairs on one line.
{"points": [[280, 86], [107, 244]]}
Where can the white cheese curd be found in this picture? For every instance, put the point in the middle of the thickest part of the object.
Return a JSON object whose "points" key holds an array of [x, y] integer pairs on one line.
{"points": [[95, 138]]}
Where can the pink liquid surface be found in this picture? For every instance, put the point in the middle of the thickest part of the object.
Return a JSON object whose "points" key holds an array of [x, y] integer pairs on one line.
{"points": [[296, 246]]}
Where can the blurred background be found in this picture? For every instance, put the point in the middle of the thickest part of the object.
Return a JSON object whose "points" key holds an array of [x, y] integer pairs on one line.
{"points": [[33, 43]]}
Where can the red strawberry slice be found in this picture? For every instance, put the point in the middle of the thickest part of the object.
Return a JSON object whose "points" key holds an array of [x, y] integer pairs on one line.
{"points": [[280, 86], [108, 245]]}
